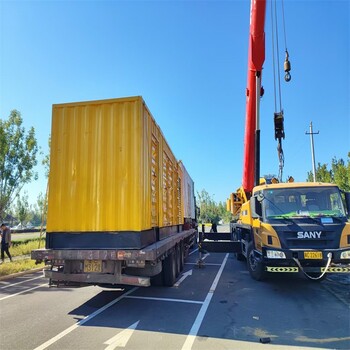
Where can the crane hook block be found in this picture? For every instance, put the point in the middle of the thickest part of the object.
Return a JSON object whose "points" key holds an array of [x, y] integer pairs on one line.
{"points": [[279, 127], [287, 68]]}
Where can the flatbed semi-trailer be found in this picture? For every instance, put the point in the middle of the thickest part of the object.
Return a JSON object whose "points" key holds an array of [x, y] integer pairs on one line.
{"points": [[160, 262], [121, 207]]}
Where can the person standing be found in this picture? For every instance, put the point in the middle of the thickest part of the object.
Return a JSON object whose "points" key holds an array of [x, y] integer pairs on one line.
{"points": [[5, 242], [214, 227]]}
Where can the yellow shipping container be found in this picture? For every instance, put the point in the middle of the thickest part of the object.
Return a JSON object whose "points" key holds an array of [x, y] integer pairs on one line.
{"points": [[111, 172]]}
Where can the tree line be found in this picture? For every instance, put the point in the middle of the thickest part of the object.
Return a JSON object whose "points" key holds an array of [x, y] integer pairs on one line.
{"points": [[19, 152], [338, 173], [18, 157]]}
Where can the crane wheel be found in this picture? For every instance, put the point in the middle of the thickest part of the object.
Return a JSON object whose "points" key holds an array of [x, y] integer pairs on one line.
{"points": [[255, 267]]}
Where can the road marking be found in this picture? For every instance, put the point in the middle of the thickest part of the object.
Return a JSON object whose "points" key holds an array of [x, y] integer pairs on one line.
{"points": [[199, 319], [84, 320], [184, 276], [165, 299], [23, 291], [321, 340], [15, 284], [206, 264], [122, 338], [205, 256], [193, 251]]}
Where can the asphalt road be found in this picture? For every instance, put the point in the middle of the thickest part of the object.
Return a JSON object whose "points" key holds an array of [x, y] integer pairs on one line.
{"points": [[215, 307]]}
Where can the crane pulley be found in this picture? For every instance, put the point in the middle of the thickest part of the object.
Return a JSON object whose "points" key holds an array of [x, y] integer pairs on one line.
{"points": [[287, 68]]}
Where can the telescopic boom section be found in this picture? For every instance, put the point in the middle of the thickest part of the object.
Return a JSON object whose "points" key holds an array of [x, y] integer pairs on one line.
{"points": [[256, 57]]}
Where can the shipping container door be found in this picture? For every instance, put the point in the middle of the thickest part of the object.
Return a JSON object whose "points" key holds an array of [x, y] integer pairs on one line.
{"points": [[155, 182], [168, 171], [179, 199]]}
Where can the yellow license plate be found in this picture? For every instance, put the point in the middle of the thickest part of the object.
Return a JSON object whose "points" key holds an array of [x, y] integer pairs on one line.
{"points": [[92, 265], [312, 255]]}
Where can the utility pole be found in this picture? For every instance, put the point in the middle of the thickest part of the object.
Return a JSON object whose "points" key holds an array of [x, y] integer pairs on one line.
{"points": [[311, 133]]}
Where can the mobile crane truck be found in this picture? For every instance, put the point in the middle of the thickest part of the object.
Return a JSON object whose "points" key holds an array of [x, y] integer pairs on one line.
{"points": [[282, 227], [121, 208]]}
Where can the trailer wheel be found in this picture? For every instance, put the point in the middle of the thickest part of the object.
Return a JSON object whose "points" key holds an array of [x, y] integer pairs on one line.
{"points": [[178, 260], [182, 256], [255, 267], [169, 269], [157, 280]]}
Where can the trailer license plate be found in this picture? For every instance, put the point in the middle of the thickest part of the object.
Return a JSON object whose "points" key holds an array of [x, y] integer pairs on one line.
{"points": [[312, 255], [92, 265]]}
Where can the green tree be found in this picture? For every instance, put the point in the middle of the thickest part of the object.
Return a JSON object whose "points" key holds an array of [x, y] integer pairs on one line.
{"points": [[208, 209], [46, 160], [41, 206], [322, 174], [34, 215], [23, 209], [339, 173], [225, 215], [18, 151], [43, 198]]}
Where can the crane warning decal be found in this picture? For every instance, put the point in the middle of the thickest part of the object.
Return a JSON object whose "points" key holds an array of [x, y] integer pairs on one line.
{"points": [[282, 269]]}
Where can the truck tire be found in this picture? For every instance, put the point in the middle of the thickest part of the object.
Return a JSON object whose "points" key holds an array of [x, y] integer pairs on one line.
{"points": [[178, 259], [182, 255], [255, 267], [157, 280], [169, 269]]}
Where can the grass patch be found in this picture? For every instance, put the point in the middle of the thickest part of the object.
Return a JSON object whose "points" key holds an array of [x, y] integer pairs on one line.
{"points": [[9, 268], [25, 247], [18, 249]]}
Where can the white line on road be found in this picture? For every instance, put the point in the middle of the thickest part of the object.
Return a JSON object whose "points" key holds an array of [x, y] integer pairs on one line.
{"points": [[84, 320], [165, 299], [199, 319], [184, 276], [122, 338], [15, 284], [193, 251], [205, 256], [23, 291], [206, 264]]}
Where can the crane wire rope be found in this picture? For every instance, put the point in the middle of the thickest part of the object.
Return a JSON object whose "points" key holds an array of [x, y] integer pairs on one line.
{"points": [[278, 116], [284, 27], [277, 56], [273, 58], [287, 66]]}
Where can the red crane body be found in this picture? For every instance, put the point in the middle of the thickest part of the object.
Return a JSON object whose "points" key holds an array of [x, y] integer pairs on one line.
{"points": [[256, 58]]}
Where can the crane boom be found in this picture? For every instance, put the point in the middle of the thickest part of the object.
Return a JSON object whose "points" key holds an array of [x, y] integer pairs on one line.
{"points": [[256, 58], [263, 212]]}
